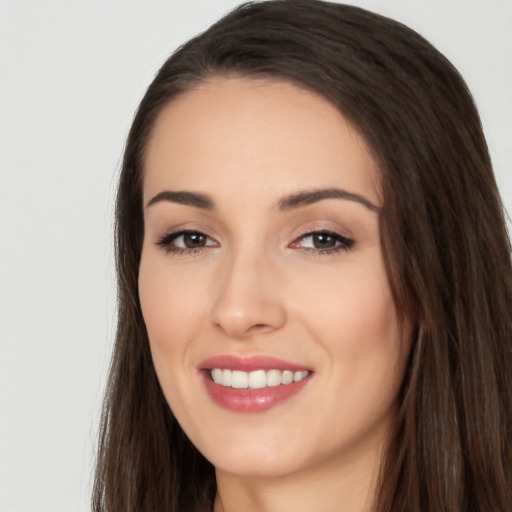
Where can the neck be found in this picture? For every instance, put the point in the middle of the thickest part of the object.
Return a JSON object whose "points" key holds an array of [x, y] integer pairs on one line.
{"points": [[349, 485]]}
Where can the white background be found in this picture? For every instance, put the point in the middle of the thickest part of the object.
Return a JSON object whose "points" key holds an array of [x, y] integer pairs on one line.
{"points": [[71, 76]]}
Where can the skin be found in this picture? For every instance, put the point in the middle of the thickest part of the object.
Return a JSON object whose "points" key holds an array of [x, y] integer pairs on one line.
{"points": [[259, 284]]}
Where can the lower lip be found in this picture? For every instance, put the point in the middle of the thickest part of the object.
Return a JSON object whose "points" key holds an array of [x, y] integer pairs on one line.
{"points": [[252, 400]]}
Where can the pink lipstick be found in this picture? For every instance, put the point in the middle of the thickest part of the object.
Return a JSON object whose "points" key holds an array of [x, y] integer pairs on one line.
{"points": [[252, 384]]}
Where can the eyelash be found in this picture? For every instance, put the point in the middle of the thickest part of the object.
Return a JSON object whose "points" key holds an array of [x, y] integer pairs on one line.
{"points": [[342, 243], [167, 241]]}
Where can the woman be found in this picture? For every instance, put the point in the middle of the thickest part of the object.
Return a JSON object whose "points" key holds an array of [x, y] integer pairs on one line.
{"points": [[314, 278]]}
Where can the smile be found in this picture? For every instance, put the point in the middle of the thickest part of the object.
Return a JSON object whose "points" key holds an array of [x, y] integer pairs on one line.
{"points": [[252, 384], [257, 379]]}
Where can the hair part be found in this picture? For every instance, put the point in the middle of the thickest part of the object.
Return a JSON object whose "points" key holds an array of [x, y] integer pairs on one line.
{"points": [[444, 240]]}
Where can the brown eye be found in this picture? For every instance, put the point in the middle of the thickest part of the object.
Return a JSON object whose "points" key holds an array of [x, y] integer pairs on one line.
{"points": [[193, 240], [182, 242], [323, 242]]}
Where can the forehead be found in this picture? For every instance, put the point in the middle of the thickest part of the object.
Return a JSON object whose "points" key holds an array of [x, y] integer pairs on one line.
{"points": [[256, 135]]}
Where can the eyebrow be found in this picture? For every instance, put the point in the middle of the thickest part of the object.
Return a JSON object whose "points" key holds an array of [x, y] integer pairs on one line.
{"points": [[308, 197], [182, 197], [296, 200]]}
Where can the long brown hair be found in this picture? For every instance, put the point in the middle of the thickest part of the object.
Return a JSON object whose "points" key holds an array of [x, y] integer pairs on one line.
{"points": [[444, 240]]}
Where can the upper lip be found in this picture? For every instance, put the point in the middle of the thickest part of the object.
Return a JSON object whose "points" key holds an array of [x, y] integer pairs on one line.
{"points": [[251, 363]]}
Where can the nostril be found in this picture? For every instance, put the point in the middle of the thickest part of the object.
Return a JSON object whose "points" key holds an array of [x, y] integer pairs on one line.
{"points": [[261, 327]]}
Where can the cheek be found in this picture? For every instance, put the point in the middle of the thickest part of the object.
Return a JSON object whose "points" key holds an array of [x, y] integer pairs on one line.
{"points": [[353, 317], [352, 302], [166, 312], [171, 311]]}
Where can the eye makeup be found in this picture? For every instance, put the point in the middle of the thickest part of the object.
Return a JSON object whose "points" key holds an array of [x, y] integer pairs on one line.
{"points": [[323, 241], [317, 242], [187, 241]]}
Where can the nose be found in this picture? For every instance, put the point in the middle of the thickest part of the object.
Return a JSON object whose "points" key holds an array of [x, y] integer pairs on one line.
{"points": [[248, 299]]}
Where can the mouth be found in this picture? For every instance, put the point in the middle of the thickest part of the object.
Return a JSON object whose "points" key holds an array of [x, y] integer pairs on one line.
{"points": [[253, 384], [257, 379]]}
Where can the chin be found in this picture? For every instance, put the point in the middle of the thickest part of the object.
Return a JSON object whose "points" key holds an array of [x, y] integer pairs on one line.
{"points": [[262, 458], [264, 466]]}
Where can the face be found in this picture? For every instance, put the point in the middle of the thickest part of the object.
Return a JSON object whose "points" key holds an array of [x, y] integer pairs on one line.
{"points": [[270, 317]]}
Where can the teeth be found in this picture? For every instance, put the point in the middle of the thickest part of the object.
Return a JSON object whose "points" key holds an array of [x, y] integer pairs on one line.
{"points": [[239, 379], [226, 378], [287, 377], [300, 375], [274, 378], [257, 379], [217, 375]]}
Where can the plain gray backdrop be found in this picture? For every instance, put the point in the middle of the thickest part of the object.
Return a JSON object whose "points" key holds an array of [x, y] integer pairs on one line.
{"points": [[71, 76]]}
